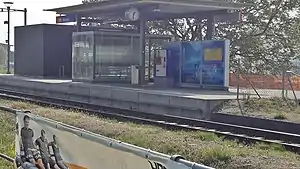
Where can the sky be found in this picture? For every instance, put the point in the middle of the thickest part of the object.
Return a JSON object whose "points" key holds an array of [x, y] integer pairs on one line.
{"points": [[35, 14]]}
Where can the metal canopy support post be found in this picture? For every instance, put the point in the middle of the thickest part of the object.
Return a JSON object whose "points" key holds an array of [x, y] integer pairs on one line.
{"points": [[94, 56], [25, 16], [210, 27], [149, 58], [78, 23], [181, 57], [142, 51]]}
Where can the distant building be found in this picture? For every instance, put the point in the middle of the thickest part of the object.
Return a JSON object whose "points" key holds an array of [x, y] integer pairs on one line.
{"points": [[3, 57]]}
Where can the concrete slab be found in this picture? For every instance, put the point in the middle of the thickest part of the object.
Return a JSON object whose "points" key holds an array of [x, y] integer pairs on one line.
{"points": [[188, 93], [179, 102], [124, 95]]}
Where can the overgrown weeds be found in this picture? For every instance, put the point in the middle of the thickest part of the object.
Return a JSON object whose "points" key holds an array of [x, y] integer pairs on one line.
{"points": [[7, 138], [206, 148], [271, 108]]}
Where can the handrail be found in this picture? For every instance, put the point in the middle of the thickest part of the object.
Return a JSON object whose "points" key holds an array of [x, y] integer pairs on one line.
{"points": [[124, 146], [7, 158]]}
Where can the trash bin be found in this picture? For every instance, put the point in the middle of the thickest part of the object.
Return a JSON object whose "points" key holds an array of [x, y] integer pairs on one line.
{"points": [[134, 74]]}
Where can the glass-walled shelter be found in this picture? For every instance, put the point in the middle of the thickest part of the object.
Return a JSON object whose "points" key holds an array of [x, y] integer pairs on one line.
{"points": [[82, 55], [107, 56]]}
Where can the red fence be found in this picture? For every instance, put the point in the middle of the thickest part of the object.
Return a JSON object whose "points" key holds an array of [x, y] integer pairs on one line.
{"points": [[263, 81]]}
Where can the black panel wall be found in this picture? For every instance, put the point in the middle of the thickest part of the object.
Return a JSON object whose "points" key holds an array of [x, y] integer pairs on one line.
{"points": [[29, 51], [58, 50], [44, 50]]}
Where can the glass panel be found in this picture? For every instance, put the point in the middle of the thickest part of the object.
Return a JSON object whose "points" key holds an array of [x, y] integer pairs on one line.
{"points": [[115, 53], [114, 56], [82, 55], [191, 63]]}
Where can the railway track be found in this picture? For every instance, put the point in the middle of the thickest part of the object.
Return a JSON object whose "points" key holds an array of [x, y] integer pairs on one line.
{"points": [[243, 134]]}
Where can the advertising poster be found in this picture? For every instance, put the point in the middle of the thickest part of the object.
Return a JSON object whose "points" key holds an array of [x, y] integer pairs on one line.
{"points": [[51, 145]]}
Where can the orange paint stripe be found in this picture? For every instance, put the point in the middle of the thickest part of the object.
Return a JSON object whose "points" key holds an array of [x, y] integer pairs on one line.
{"points": [[73, 166]]}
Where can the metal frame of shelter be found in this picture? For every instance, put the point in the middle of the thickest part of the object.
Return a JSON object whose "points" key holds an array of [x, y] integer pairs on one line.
{"points": [[113, 11]]}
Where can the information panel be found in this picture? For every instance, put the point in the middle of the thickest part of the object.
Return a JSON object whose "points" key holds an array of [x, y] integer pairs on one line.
{"points": [[213, 54], [213, 63], [205, 63]]}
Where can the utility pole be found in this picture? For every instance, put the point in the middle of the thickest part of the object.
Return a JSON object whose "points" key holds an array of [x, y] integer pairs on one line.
{"points": [[8, 40], [8, 9]]}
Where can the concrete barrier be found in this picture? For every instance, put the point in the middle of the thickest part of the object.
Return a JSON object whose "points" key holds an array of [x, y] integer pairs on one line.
{"points": [[116, 97]]}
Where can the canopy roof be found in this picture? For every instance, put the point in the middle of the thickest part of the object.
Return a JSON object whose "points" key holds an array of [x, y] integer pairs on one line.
{"points": [[151, 9]]}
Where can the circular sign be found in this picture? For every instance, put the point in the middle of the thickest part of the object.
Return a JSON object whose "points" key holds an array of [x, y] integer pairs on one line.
{"points": [[132, 14]]}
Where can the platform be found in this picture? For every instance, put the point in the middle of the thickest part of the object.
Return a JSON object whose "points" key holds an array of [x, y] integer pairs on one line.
{"points": [[179, 102]]}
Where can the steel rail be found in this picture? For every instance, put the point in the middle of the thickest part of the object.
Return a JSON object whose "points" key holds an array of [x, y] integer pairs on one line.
{"points": [[229, 131]]}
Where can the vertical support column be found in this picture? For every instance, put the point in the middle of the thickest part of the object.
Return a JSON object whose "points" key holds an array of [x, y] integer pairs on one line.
{"points": [[149, 58], [226, 64], [142, 51], [78, 22], [25, 16], [210, 32], [94, 56], [77, 51], [181, 55], [8, 40]]}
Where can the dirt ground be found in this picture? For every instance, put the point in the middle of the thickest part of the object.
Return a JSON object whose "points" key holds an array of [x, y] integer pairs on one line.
{"points": [[271, 108], [200, 147]]}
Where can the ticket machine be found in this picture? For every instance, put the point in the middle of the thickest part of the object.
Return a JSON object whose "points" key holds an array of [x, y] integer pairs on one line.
{"points": [[160, 63], [166, 65]]}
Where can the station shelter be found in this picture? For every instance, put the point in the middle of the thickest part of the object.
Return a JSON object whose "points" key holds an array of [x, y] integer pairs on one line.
{"points": [[132, 55], [112, 56]]}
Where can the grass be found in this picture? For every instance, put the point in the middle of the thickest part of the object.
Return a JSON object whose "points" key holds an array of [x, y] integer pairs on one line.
{"points": [[271, 108], [200, 147], [7, 136]]}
